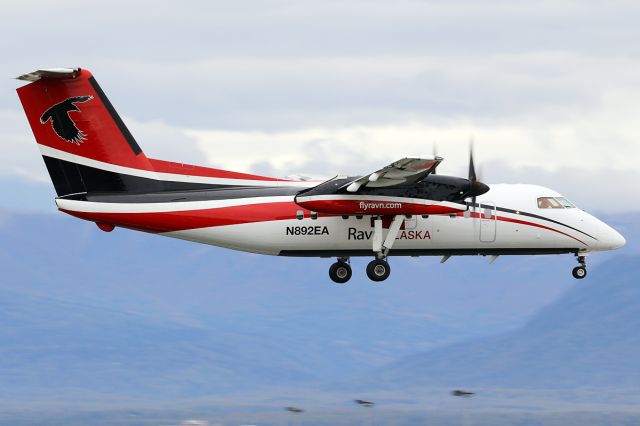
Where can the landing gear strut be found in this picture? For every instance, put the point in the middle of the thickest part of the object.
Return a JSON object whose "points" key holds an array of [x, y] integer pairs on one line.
{"points": [[340, 272], [579, 272], [378, 270]]}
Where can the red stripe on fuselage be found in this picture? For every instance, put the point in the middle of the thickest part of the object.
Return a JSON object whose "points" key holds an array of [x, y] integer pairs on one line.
{"points": [[192, 219], [522, 222]]}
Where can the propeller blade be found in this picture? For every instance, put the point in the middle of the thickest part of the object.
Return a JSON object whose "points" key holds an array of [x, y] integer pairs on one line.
{"points": [[435, 153], [472, 168], [475, 186]]}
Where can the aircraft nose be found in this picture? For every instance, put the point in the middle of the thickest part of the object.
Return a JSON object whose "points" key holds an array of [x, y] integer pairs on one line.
{"points": [[618, 240], [612, 240]]}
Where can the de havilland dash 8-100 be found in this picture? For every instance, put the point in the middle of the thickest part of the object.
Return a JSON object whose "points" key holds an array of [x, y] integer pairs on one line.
{"points": [[100, 174]]}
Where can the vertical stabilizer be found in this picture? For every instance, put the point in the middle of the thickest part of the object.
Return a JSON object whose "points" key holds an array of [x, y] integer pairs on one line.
{"points": [[83, 140]]}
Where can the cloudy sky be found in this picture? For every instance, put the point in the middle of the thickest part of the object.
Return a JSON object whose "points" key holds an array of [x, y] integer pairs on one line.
{"points": [[549, 91]]}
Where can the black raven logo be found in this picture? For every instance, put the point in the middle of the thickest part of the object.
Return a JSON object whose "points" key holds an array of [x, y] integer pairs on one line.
{"points": [[62, 124]]}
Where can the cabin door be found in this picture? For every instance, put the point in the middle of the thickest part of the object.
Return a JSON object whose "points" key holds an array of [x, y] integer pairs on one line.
{"points": [[488, 222]]}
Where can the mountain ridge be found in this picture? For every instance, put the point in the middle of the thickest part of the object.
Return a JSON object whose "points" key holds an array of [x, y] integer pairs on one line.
{"points": [[586, 338]]}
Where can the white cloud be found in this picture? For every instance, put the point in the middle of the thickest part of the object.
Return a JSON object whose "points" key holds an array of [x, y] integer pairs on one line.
{"points": [[589, 140], [164, 142], [594, 149]]}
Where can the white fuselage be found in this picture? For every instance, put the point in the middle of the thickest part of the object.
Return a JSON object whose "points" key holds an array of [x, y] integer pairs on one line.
{"points": [[516, 224]]}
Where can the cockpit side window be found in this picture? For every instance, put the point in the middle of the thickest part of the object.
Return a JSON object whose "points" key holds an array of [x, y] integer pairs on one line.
{"points": [[549, 203], [566, 203], [554, 203]]}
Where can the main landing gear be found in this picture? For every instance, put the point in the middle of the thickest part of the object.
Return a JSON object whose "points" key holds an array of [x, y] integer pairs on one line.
{"points": [[340, 272], [579, 272], [377, 270]]}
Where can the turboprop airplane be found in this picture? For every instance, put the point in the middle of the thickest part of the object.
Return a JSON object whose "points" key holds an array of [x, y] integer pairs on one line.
{"points": [[100, 174]]}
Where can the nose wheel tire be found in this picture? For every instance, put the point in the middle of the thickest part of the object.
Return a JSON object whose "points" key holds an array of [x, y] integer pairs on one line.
{"points": [[340, 272], [378, 270], [579, 272]]}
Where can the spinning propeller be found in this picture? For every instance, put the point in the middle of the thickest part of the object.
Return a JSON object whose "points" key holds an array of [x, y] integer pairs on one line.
{"points": [[475, 186]]}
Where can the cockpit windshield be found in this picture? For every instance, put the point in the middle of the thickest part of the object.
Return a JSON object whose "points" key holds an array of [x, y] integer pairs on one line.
{"points": [[554, 203]]}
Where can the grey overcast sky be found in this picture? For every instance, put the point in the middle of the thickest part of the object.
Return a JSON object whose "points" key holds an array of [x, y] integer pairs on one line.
{"points": [[549, 90]]}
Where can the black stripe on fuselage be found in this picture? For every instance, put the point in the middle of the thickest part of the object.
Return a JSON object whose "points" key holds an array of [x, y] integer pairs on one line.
{"points": [[210, 194], [535, 216], [116, 117], [72, 178], [430, 252]]}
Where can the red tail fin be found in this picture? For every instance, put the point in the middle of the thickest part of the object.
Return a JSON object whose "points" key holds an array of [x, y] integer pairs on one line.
{"points": [[83, 140], [69, 112]]}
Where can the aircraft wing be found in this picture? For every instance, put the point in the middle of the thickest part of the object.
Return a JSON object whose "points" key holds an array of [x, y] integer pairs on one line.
{"points": [[406, 170]]}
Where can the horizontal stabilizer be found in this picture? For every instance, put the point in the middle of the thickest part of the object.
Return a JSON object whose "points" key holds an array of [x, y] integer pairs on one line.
{"points": [[50, 73]]}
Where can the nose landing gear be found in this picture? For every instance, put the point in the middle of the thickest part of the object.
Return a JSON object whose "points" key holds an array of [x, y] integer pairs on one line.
{"points": [[579, 272], [340, 272]]}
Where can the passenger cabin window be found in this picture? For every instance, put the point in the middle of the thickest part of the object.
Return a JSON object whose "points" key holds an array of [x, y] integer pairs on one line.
{"points": [[554, 203]]}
